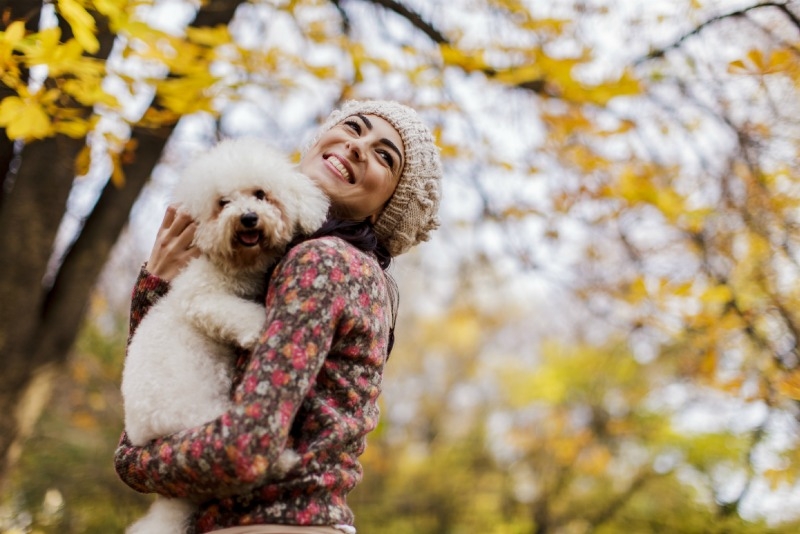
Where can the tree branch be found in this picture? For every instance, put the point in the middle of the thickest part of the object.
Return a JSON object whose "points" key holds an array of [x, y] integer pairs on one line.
{"points": [[414, 18], [660, 52], [791, 16], [345, 18]]}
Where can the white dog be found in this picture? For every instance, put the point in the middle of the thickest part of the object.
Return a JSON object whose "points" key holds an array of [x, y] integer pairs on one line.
{"points": [[249, 202]]}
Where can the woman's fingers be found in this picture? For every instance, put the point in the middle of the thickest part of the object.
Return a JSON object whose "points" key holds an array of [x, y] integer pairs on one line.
{"points": [[169, 216], [172, 249], [183, 228]]}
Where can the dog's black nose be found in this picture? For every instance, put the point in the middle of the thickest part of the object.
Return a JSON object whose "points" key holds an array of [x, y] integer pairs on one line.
{"points": [[249, 219]]}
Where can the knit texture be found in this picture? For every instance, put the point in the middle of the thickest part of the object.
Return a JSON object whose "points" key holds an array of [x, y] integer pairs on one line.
{"points": [[412, 212]]}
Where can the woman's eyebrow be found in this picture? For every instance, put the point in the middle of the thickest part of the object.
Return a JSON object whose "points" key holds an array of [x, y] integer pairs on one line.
{"points": [[366, 120], [385, 141]]}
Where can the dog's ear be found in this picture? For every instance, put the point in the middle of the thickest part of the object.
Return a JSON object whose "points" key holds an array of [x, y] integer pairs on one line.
{"points": [[312, 205]]}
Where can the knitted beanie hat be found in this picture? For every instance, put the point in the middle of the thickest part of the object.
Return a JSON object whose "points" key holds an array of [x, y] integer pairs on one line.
{"points": [[411, 213]]}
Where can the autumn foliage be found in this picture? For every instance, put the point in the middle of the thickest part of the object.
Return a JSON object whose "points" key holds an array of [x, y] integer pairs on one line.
{"points": [[603, 336]]}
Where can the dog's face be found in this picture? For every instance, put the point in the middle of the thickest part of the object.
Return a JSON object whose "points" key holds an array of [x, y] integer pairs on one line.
{"points": [[244, 228], [249, 202]]}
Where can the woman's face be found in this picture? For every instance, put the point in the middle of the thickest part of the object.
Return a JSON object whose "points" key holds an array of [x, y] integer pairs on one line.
{"points": [[357, 163]]}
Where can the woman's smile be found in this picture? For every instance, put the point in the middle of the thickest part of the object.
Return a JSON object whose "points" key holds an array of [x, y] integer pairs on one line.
{"points": [[357, 163], [342, 167]]}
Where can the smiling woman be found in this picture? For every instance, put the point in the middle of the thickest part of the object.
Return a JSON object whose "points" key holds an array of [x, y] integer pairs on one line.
{"points": [[410, 213], [357, 163], [312, 382]]}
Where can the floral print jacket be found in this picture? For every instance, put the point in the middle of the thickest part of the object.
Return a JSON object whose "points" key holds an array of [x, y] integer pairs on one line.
{"points": [[311, 384]]}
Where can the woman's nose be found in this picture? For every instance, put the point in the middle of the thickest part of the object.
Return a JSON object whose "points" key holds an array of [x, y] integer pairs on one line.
{"points": [[355, 146]]}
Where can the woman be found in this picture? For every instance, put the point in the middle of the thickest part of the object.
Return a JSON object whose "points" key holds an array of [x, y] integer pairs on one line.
{"points": [[313, 381]]}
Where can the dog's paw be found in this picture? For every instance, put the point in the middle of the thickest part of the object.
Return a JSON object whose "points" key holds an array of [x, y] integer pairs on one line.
{"points": [[250, 340], [249, 328]]}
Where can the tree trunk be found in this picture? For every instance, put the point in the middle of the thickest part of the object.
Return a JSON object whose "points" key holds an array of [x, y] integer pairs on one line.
{"points": [[38, 325], [33, 205]]}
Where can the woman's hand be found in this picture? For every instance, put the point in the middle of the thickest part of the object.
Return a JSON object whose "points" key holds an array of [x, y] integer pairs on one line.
{"points": [[173, 248]]}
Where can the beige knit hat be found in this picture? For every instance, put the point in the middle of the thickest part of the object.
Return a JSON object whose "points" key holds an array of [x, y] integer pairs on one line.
{"points": [[411, 213]]}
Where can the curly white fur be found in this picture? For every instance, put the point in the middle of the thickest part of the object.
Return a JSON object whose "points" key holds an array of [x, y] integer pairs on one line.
{"points": [[249, 202]]}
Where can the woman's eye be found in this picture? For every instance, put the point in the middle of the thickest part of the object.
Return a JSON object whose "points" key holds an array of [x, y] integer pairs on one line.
{"points": [[260, 195], [353, 125], [223, 202], [387, 157]]}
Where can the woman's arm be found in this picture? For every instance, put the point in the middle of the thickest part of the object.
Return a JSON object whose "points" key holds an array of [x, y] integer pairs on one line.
{"points": [[310, 293]]}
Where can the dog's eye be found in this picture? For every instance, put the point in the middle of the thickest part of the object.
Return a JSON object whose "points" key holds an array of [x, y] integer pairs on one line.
{"points": [[260, 195], [223, 202]]}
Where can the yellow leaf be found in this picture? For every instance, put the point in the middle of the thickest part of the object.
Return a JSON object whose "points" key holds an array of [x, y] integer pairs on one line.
{"points": [[187, 94], [14, 33], [61, 58], [74, 128], [113, 9], [117, 174], [670, 203], [215, 36], [9, 40], [83, 161], [24, 119], [447, 150], [82, 24], [601, 94], [720, 294], [154, 118], [708, 362], [519, 75], [779, 60], [322, 72], [682, 290], [555, 26], [634, 188], [757, 58], [89, 92], [469, 61], [789, 385], [737, 66], [637, 290], [128, 153], [779, 477]]}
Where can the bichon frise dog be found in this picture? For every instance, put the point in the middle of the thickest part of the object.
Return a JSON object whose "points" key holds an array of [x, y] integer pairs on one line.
{"points": [[249, 202]]}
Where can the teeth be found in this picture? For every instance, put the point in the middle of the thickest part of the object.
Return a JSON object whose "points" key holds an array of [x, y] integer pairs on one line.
{"points": [[339, 167]]}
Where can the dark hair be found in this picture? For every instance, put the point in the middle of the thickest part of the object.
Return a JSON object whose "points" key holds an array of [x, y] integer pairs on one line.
{"points": [[361, 235]]}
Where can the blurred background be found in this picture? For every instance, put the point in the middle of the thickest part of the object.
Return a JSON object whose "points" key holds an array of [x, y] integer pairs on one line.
{"points": [[601, 338]]}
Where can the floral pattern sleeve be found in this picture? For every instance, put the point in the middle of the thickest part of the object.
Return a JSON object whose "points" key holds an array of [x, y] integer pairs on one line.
{"points": [[318, 296], [146, 291]]}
